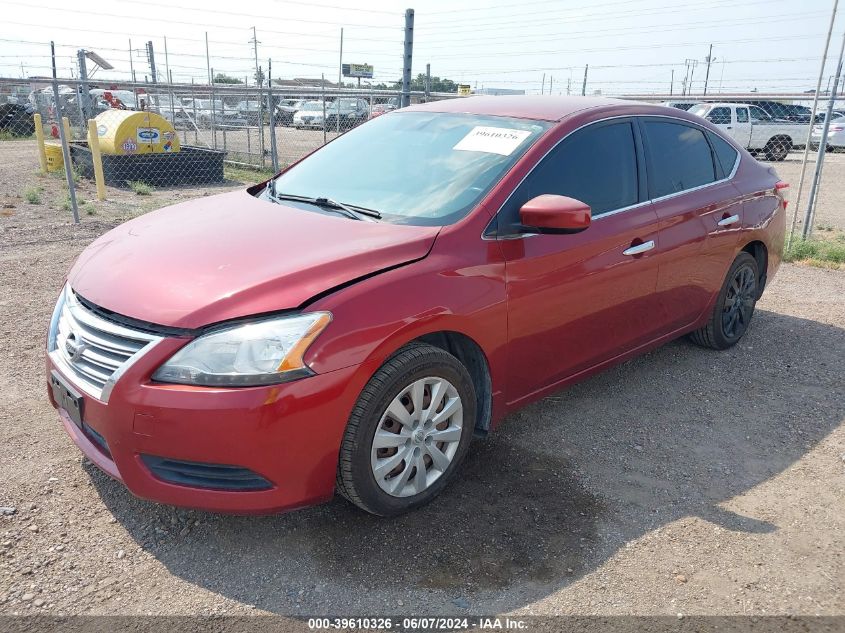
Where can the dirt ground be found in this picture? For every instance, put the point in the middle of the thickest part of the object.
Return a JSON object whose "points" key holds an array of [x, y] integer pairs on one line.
{"points": [[685, 481]]}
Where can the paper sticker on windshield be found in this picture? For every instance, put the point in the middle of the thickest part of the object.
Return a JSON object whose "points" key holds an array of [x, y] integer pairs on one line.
{"points": [[493, 140]]}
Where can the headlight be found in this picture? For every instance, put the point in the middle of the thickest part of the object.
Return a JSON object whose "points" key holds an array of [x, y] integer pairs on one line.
{"points": [[259, 353]]}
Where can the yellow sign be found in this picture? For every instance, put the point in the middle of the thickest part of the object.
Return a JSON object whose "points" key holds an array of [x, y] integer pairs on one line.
{"points": [[464, 90]]}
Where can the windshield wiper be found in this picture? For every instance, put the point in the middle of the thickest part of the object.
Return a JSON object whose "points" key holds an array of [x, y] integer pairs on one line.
{"points": [[351, 211]]}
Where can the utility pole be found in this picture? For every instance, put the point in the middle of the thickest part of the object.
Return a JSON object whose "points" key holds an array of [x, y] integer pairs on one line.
{"points": [[551, 82], [427, 82], [672, 83], [258, 81], [568, 86], [131, 64], [693, 64], [584, 85], [407, 60], [207, 59], [543, 85], [151, 57], [707, 75]]}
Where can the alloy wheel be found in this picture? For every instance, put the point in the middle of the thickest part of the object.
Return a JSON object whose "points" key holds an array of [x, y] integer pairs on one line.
{"points": [[417, 437], [739, 302]]}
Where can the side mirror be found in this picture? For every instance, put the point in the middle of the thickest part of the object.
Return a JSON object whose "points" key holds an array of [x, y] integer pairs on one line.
{"points": [[555, 214]]}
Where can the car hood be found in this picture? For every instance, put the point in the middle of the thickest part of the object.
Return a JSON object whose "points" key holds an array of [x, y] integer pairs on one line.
{"points": [[234, 255]]}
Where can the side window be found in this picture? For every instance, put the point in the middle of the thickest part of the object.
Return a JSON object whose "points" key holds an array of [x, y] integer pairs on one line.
{"points": [[758, 114], [725, 154], [679, 157], [597, 165], [742, 115], [721, 116]]}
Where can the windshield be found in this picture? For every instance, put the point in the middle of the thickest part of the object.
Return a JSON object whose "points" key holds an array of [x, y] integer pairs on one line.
{"points": [[700, 110], [312, 106], [414, 167]]}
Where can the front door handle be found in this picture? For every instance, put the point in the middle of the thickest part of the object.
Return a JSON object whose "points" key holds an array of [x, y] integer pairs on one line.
{"points": [[733, 219], [639, 249]]}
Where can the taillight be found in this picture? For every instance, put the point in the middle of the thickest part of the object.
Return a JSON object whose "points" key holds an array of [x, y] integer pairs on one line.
{"points": [[782, 188], [837, 128]]}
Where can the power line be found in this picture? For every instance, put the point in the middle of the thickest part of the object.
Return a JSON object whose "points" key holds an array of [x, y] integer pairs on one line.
{"points": [[171, 21], [683, 26], [644, 46], [512, 22]]}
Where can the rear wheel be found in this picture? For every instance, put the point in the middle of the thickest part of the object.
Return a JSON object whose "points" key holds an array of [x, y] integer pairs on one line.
{"points": [[734, 306], [408, 431]]}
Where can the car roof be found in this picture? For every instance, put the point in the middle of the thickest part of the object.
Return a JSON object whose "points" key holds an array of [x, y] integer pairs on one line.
{"points": [[544, 108]]}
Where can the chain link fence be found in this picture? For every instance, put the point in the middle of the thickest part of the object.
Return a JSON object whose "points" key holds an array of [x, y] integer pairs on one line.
{"points": [[172, 135], [167, 135]]}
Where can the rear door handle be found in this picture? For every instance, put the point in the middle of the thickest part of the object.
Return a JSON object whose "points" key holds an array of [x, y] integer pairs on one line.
{"points": [[733, 219], [639, 249]]}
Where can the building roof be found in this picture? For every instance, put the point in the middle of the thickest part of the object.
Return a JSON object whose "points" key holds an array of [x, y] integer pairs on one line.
{"points": [[546, 107]]}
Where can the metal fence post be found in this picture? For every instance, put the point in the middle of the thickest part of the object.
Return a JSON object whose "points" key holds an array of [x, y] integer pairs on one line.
{"points": [[63, 135], [797, 202], [811, 202], [323, 97], [213, 113], [274, 157], [407, 59]]}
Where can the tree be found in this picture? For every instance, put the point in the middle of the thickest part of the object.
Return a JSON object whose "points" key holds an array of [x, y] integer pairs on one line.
{"points": [[418, 84], [221, 78]]}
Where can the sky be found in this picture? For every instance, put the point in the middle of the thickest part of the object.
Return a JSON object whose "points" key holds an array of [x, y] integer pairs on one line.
{"points": [[631, 46]]}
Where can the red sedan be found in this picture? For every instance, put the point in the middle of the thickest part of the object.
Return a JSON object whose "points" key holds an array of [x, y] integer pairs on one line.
{"points": [[351, 324]]}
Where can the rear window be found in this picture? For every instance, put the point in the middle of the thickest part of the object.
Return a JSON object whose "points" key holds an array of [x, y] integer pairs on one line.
{"points": [[679, 158], [725, 154]]}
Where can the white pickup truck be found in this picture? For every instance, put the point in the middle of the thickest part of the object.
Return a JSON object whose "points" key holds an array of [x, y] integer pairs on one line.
{"points": [[753, 128]]}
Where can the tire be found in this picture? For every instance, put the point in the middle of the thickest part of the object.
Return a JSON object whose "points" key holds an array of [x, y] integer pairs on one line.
{"points": [[366, 473], [724, 330], [777, 149]]}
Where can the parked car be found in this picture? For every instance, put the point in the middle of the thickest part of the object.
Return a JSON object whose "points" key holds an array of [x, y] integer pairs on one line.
{"points": [[16, 119], [784, 111], [753, 128], [287, 108], [351, 324], [380, 108], [820, 116], [310, 114], [251, 112], [350, 111], [835, 132], [216, 111]]}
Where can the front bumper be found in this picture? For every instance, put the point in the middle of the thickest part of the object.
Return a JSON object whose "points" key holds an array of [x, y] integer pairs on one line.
{"points": [[288, 434]]}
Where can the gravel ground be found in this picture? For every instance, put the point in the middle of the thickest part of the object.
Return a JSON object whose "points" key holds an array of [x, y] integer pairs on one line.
{"points": [[685, 481]]}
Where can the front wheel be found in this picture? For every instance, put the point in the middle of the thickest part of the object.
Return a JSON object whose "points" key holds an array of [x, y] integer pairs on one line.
{"points": [[408, 431], [734, 306], [777, 149]]}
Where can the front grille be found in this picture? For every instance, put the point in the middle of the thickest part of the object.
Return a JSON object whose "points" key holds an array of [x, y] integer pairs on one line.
{"points": [[91, 351], [205, 475]]}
